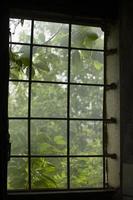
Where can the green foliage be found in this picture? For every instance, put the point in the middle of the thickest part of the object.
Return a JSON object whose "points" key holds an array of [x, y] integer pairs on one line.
{"points": [[86, 173], [49, 137], [18, 173]]}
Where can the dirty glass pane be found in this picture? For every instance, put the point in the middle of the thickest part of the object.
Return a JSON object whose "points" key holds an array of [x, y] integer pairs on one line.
{"points": [[48, 137], [86, 172], [49, 64], [85, 138], [48, 173], [18, 130], [86, 101], [17, 174], [87, 37], [51, 33], [19, 61], [18, 99], [20, 30], [48, 100], [87, 67]]}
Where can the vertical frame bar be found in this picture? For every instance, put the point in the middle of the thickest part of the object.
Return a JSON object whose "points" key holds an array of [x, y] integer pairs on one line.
{"points": [[68, 110], [29, 106], [104, 112]]}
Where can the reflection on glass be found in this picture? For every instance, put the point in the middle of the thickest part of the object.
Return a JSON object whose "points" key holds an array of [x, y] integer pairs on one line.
{"points": [[48, 100], [86, 101], [87, 37], [19, 134], [18, 174], [86, 172], [48, 173], [20, 30], [48, 137], [85, 138], [18, 99], [19, 61], [87, 67], [50, 64], [50, 33]]}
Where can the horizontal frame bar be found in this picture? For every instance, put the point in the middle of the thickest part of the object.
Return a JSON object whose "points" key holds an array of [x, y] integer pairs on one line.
{"points": [[113, 156], [110, 120], [110, 86], [55, 46]]}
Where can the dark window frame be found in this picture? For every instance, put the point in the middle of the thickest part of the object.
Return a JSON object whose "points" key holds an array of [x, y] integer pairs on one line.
{"points": [[103, 119]]}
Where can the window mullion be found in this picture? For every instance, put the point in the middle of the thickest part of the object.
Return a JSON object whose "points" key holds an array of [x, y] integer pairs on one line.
{"points": [[29, 107], [104, 117], [68, 110]]}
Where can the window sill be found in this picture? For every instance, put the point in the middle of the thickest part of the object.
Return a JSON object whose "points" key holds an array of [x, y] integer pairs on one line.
{"points": [[63, 195]]}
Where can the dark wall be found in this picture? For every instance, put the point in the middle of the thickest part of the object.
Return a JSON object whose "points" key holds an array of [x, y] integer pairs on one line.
{"points": [[126, 75], [3, 98], [91, 8]]}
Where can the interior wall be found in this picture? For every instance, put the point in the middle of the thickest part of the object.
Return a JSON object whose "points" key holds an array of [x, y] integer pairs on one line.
{"points": [[113, 105], [126, 73]]}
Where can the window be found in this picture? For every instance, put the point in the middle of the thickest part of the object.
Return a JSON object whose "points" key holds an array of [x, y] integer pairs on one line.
{"points": [[57, 106]]}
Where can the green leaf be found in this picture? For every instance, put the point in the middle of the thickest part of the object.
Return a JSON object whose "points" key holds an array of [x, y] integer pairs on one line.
{"points": [[25, 61], [49, 179], [92, 36], [98, 65], [59, 140]]}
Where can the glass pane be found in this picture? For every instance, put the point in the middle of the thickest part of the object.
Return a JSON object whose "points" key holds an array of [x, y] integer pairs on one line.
{"points": [[86, 172], [20, 30], [18, 173], [87, 67], [19, 61], [50, 64], [18, 99], [87, 37], [19, 134], [48, 173], [49, 33], [48, 137], [86, 138], [86, 101], [48, 100]]}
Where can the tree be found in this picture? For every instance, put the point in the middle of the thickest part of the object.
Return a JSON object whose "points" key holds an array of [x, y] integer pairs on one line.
{"points": [[49, 137]]}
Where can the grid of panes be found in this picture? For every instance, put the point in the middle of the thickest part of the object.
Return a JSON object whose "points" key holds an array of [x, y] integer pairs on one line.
{"points": [[56, 92]]}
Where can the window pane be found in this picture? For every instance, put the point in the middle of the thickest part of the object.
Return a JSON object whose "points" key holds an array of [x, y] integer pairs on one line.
{"points": [[18, 173], [86, 102], [18, 99], [48, 100], [48, 137], [50, 64], [87, 67], [85, 138], [20, 30], [19, 61], [86, 172], [48, 173], [87, 37], [49, 33], [19, 134]]}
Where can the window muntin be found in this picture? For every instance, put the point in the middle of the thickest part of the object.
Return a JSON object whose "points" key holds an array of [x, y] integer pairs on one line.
{"points": [[52, 92]]}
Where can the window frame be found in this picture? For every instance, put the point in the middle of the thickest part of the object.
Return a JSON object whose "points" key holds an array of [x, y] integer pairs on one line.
{"points": [[104, 118]]}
